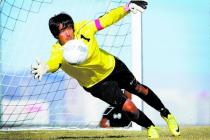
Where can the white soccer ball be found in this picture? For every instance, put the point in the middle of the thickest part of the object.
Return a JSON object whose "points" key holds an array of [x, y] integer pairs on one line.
{"points": [[75, 51]]}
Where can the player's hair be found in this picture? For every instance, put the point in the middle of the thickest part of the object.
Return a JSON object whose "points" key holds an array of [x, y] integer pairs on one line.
{"points": [[62, 18]]}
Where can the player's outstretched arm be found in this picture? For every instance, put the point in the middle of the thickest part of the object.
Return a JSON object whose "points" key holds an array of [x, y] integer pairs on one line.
{"points": [[118, 13], [111, 17], [51, 65]]}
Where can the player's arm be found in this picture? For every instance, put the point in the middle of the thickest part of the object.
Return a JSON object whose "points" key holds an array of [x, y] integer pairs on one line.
{"points": [[116, 14], [56, 57], [52, 65], [128, 94], [104, 122], [110, 17]]}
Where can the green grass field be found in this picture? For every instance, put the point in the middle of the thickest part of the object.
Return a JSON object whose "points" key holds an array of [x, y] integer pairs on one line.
{"points": [[187, 133]]}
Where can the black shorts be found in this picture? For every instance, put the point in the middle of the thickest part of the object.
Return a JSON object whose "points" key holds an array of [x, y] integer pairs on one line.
{"points": [[109, 89]]}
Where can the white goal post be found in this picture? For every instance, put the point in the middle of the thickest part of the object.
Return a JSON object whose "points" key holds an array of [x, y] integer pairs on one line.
{"points": [[137, 58]]}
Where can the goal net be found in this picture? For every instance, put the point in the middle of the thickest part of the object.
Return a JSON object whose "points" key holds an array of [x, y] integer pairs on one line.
{"points": [[57, 100]]}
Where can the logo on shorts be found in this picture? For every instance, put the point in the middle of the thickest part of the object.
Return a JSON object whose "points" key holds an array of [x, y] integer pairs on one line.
{"points": [[131, 83]]}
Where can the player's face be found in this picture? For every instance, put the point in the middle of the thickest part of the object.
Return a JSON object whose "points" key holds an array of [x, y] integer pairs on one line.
{"points": [[65, 34]]}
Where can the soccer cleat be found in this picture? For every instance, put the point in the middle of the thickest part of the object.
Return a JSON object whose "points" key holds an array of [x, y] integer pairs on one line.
{"points": [[152, 132], [172, 125]]}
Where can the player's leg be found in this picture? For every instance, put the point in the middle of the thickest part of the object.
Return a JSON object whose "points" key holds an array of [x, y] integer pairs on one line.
{"points": [[110, 92], [148, 96], [127, 81], [140, 118], [152, 99]]}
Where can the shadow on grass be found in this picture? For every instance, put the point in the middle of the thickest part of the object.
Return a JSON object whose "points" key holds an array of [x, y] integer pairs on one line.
{"points": [[92, 137]]}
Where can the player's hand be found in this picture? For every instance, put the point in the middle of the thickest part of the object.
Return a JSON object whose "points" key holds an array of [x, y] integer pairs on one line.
{"points": [[137, 6], [39, 69]]}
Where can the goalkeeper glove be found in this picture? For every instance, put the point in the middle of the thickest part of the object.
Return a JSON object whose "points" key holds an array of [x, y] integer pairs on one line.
{"points": [[39, 69], [137, 5]]}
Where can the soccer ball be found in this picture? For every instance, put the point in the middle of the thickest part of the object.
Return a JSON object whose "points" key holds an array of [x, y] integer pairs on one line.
{"points": [[75, 51]]}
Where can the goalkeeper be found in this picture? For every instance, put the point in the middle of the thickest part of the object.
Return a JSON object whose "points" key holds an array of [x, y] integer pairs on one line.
{"points": [[103, 75]]}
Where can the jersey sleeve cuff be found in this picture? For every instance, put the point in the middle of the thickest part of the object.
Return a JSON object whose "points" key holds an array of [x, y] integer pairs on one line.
{"points": [[126, 7], [98, 25]]}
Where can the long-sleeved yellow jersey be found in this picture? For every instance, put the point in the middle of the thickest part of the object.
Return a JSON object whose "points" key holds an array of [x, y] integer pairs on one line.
{"points": [[99, 64]]}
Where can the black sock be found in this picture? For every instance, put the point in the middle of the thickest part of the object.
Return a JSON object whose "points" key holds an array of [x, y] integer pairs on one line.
{"points": [[153, 100], [140, 118], [164, 112]]}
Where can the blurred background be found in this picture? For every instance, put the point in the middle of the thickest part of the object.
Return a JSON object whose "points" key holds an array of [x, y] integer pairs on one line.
{"points": [[176, 61]]}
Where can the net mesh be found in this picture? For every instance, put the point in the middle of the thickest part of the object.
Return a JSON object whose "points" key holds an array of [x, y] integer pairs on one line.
{"points": [[13, 11], [57, 100]]}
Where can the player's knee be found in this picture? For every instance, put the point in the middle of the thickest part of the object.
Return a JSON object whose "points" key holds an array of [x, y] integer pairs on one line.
{"points": [[130, 109], [141, 89], [129, 106]]}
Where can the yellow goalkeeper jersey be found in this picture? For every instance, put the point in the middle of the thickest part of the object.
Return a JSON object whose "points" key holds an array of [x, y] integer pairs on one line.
{"points": [[99, 64]]}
